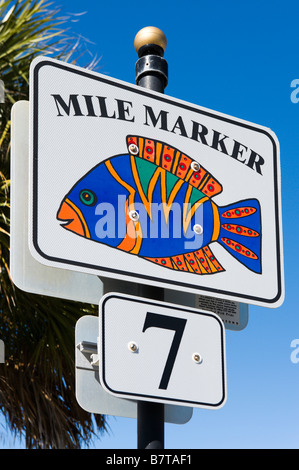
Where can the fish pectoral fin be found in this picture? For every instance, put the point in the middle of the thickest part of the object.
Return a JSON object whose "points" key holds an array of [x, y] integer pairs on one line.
{"points": [[198, 262]]}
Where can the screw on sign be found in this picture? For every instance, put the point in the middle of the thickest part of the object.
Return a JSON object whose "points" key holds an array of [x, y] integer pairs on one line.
{"points": [[133, 215], [133, 346], [197, 358], [134, 149]]}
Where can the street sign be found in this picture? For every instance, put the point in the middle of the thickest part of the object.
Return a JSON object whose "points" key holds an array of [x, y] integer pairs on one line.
{"points": [[161, 352], [26, 272], [91, 396], [2, 94], [134, 185]]}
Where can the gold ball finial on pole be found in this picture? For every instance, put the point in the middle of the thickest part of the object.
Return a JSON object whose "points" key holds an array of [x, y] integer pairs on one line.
{"points": [[151, 69], [150, 35]]}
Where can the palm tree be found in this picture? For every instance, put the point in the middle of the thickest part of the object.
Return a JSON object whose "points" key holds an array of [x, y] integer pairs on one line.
{"points": [[37, 380]]}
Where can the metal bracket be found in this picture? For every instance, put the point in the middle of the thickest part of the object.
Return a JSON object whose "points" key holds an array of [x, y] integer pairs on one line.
{"points": [[2, 94], [151, 65], [90, 351], [2, 352], [87, 347]]}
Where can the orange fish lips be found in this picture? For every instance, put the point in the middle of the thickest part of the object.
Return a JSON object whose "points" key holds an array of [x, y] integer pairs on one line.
{"points": [[73, 218]]}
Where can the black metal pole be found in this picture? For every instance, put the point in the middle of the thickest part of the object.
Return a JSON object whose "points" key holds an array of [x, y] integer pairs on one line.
{"points": [[150, 425], [151, 72]]}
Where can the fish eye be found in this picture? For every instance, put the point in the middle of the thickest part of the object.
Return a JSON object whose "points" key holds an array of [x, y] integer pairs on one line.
{"points": [[87, 197]]}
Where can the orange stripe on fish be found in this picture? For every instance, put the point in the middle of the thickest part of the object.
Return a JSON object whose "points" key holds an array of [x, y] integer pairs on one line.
{"points": [[175, 161], [183, 166], [131, 206], [240, 230], [211, 187], [149, 150], [158, 152], [136, 226], [197, 177], [239, 212], [81, 218], [129, 240], [137, 246], [167, 158], [216, 230], [179, 261], [118, 178]]}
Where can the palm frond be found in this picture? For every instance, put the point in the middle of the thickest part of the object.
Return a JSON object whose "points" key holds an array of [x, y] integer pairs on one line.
{"points": [[37, 381]]}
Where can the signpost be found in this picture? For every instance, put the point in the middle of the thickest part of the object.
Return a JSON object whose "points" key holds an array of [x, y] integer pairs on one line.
{"points": [[170, 205]]}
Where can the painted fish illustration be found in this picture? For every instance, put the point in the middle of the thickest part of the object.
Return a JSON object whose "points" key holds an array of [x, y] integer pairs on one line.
{"points": [[163, 210]]}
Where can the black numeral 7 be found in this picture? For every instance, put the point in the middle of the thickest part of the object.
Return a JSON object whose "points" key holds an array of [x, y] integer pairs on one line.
{"points": [[169, 323]]}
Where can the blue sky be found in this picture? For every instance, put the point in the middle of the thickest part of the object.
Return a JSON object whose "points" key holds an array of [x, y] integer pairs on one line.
{"points": [[238, 58]]}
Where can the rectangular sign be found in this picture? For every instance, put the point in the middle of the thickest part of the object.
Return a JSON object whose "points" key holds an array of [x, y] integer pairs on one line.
{"points": [[138, 186], [161, 352], [233, 314]]}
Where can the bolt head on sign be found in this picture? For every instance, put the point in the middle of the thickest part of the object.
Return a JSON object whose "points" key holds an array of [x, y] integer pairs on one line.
{"points": [[135, 185]]}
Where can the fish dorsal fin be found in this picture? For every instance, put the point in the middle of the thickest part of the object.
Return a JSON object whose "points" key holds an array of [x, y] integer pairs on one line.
{"points": [[175, 162]]}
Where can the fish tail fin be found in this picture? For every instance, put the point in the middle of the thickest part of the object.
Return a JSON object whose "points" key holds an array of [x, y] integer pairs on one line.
{"points": [[240, 232]]}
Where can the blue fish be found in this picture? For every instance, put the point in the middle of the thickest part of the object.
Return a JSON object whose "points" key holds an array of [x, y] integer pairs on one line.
{"points": [[155, 202]]}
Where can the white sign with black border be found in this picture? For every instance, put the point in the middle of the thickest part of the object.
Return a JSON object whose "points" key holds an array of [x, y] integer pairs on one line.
{"points": [[160, 352], [100, 148]]}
